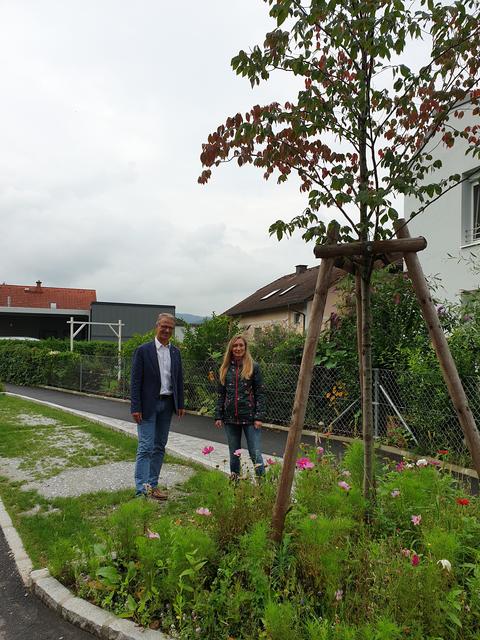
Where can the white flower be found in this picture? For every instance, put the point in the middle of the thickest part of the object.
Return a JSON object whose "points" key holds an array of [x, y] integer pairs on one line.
{"points": [[422, 462], [409, 465], [445, 564]]}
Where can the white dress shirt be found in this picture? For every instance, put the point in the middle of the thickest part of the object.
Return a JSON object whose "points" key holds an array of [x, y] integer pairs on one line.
{"points": [[165, 366]]}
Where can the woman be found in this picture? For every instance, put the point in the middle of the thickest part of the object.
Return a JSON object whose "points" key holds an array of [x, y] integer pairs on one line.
{"points": [[241, 404]]}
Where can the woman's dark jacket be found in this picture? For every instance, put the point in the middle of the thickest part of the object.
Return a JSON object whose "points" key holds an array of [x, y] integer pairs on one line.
{"points": [[241, 401]]}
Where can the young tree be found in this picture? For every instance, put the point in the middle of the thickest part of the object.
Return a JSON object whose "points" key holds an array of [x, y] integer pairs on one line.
{"points": [[362, 128]]}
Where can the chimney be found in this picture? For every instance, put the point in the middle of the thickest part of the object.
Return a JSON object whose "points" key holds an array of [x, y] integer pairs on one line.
{"points": [[300, 268], [39, 284]]}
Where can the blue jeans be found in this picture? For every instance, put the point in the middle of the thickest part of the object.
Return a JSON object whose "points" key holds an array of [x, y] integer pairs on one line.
{"points": [[254, 445], [152, 440]]}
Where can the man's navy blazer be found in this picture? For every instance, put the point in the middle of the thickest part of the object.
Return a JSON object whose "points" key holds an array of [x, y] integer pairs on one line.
{"points": [[145, 379]]}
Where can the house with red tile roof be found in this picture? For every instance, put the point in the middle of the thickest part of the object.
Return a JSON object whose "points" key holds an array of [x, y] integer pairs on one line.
{"points": [[286, 301], [40, 312]]}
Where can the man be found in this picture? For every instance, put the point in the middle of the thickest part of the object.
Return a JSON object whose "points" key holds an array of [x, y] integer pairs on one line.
{"points": [[156, 392]]}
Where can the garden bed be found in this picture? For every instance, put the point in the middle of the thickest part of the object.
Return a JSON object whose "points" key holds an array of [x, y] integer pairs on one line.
{"points": [[203, 565]]}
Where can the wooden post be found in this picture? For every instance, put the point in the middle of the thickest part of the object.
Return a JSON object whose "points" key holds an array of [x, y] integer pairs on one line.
{"points": [[440, 344], [301, 396]]}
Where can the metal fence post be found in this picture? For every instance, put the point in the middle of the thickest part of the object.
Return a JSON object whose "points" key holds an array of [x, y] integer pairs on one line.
{"points": [[375, 402], [80, 381]]}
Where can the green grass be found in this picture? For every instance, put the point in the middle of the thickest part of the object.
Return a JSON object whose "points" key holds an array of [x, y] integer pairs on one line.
{"points": [[44, 451]]}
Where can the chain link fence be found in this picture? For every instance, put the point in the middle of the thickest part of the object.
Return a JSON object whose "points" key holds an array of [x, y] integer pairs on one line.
{"points": [[411, 411]]}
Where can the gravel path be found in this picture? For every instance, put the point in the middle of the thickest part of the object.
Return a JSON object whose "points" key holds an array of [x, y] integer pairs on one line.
{"points": [[106, 477]]}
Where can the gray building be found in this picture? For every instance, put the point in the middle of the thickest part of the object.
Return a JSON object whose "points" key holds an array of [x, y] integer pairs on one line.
{"points": [[137, 318]]}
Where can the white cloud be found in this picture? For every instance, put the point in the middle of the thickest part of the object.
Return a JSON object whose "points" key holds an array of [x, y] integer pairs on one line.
{"points": [[104, 109]]}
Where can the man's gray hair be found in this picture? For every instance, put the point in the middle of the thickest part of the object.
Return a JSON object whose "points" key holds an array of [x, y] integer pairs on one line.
{"points": [[165, 315]]}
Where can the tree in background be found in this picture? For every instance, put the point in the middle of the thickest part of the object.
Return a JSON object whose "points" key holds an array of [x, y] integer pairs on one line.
{"points": [[208, 341], [362, 128]]}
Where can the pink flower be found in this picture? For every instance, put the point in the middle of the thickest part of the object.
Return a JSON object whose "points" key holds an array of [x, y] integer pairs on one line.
{"points": [[435, 463], [271, 461], [152, 534], [305, 463], [395, 493], [320, 451], [339, 595], [346, 473], [313, 516], [344, 485], [400, 466], [415, 560], [237, 452], [416, 520], [203, 511], [207, 450], [406, 553]]}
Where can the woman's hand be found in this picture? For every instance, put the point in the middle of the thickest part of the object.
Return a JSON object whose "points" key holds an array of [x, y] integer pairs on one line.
{"points": [[257, 424], [219, 424]]}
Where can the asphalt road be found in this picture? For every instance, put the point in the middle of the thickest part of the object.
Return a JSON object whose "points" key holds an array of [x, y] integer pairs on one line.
{"points": [[273, 441]]}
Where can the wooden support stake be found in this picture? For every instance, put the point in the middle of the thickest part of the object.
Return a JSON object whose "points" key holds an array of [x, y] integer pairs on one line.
{"points": [[301, 396], [440, 344], [377, 247]]}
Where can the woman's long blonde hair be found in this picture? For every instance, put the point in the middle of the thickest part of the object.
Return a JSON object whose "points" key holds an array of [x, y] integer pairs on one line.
{"points": [[247, 363]]}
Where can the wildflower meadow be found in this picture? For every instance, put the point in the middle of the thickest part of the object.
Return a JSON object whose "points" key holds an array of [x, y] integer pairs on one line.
{"points": [[205, 565]]}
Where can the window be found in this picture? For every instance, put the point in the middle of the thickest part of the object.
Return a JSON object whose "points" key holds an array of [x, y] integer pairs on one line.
{"points": [[272, 293], [476, 210], [471, 208], [287, 290]]}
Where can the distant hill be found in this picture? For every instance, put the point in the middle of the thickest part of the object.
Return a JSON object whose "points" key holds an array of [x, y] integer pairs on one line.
{"points": [[191, 318]]}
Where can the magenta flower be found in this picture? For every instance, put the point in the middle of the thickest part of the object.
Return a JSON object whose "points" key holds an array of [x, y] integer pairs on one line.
{"points": [[416, 520], [339, 595], [305, 463], [395, 493], [400, 466], [435, 463], [237, 452], [415, 560], [203, 511], [207, 450], [271, 461], [320, 451], [344, 485], [152, 534]]}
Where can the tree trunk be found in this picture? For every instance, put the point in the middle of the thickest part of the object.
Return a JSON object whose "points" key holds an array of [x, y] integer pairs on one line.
{"points": [[358, 304], [301, 396], [366, 379], [440, 344]]}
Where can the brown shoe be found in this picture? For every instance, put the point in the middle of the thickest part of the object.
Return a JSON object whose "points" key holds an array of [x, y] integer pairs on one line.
{"points": [[156, 494]]}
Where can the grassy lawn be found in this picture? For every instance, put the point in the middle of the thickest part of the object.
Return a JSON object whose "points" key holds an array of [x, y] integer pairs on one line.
{"points": [[37, 443]]}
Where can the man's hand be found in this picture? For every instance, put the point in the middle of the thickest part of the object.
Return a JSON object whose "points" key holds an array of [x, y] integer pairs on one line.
{"points": [[137, 416], [257, 424], [181, 413], [219, 424]]}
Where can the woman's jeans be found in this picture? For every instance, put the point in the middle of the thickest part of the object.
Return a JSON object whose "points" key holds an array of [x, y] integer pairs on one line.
{"points": [[254, 445], [152, 440]]}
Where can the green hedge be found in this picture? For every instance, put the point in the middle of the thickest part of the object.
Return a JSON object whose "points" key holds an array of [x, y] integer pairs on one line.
{"points": [[24, 364]]}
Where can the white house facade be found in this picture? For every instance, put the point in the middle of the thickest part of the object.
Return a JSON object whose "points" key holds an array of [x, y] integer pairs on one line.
{"points": [[452, 224]]}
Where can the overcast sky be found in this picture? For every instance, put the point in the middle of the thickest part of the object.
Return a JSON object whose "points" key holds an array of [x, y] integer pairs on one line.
{"points": [[105, 105]]}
